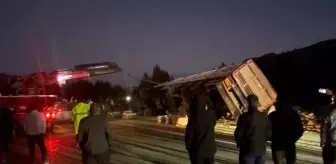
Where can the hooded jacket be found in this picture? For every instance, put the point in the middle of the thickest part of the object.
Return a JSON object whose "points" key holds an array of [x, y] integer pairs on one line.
{"points": [[252, 132], [94, 134], [200, 135], [287, 127]]}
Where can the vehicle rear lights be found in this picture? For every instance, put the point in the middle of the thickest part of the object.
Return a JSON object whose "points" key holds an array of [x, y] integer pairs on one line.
{"points": [[50, 115]]}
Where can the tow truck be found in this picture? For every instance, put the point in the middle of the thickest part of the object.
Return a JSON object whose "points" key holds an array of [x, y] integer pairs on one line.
{"points": [[32, 92]]}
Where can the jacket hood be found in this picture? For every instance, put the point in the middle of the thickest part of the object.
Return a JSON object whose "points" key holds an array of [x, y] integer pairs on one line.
{"points": [[252, 103], [197, 105]]}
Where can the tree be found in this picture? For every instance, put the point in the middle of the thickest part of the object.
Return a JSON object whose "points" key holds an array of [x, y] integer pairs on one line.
{"points": [[102, 90], [147, 93]]}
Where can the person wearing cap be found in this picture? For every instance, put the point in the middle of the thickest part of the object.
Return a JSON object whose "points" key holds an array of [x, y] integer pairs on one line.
{"points": [[94, 137]]}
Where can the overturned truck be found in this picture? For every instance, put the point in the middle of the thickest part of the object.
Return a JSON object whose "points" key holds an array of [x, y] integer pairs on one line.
{"points": [[233, 84]]}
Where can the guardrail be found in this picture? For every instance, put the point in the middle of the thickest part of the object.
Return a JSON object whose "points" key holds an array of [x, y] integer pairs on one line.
{"points": [[128, 116], [173, 120], [164, 119]]}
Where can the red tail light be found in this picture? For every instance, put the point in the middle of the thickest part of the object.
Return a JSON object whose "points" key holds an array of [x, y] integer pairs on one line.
{"points": [[50, 115]]}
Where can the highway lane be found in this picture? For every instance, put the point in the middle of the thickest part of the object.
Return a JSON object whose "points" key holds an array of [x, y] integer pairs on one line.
{"points": [[227, 150], [138, 142], [220, 137]]}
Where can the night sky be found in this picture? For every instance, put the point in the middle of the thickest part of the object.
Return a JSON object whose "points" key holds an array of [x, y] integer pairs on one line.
{"points": [[182, 36]]}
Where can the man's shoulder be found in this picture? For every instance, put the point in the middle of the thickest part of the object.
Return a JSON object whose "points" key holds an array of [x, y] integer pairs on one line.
{"points": [[85, 119], [261, 115]]}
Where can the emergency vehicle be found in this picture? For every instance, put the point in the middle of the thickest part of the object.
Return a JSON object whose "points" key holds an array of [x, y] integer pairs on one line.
{"points": [[32, 92]]}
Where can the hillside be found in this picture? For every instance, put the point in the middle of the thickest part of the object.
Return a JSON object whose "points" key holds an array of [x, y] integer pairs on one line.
{"points": [[297, 75]]}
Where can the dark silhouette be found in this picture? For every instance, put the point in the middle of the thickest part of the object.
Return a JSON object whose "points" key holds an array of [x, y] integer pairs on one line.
{"points": [[287, 129], [6, 127], [328, 133], [252, 132], [298, 74], [94, 137], [200, 132]]}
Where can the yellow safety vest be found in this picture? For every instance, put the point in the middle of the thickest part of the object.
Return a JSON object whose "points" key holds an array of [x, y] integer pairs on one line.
{"points": [[80, 111]]}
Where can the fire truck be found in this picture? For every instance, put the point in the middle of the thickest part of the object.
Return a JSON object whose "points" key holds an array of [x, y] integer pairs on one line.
{"points": [[32, 91]]}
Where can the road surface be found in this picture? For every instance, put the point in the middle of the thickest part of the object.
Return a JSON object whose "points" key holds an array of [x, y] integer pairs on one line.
{"points": [[143, 143]]}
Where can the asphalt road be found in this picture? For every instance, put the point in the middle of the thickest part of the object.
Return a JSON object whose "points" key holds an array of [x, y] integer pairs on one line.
{"points": [[142, 143]]}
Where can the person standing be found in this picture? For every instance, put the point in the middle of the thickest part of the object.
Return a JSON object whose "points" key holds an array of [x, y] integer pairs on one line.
{"points": [[34, 125], [6, 127], [285, 133], [200, 131], [94, 137], [80, 111], [252, 132], [328, 132]]}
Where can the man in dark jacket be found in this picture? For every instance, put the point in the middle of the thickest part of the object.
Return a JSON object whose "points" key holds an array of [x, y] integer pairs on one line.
{"points": [[252, 132], [287, 128], [328, 133], [200, 131], [6, 127], [94, 137]]}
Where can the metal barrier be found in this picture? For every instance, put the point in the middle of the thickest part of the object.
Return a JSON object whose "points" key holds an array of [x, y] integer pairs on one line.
{"points": [[181, 121], [115, 114], [128, 116], [163, 119], [172, 120]]}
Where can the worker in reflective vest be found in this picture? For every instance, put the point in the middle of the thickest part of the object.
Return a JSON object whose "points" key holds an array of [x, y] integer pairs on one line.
{"points": [[80, 111]]}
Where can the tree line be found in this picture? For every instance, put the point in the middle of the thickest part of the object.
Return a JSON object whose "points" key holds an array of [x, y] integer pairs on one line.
{"points": [[144, 94]]}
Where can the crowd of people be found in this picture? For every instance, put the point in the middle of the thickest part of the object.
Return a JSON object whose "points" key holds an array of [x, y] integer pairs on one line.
{"points": [[90, 126], [283, 128]]}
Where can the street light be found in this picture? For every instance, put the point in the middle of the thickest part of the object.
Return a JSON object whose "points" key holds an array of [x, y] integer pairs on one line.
{"points": [[128, 98]]}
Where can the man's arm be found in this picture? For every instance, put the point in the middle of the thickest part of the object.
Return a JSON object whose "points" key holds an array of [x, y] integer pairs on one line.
{"points": [[298, 127], [81, 132], [188, 135], [239, 131], [73, 112], [43, 123], [269, 129], [108, 132], [325, 126]]}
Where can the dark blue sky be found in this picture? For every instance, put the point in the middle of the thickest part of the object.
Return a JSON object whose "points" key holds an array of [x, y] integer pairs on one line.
{"points": [[182, 36]]}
